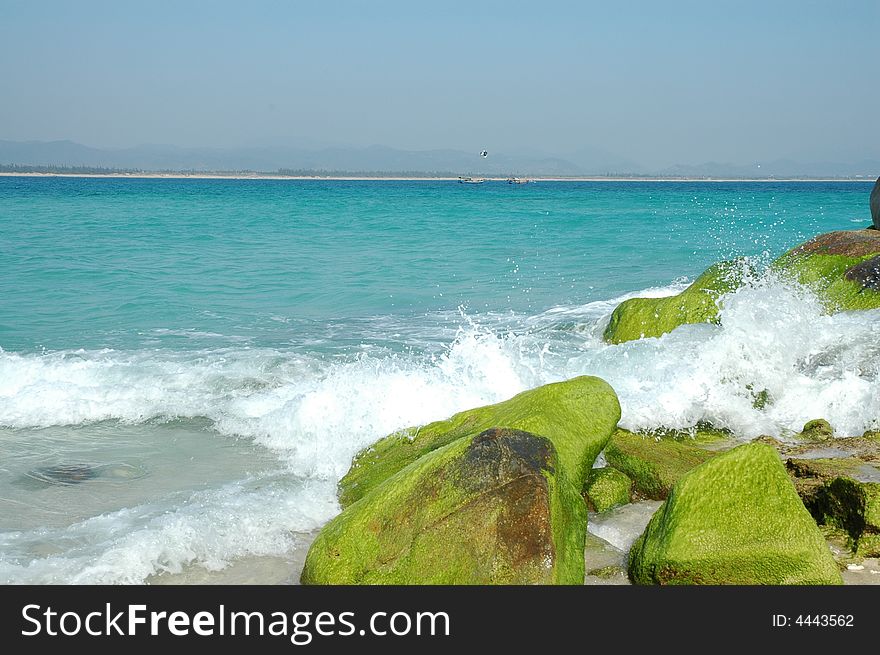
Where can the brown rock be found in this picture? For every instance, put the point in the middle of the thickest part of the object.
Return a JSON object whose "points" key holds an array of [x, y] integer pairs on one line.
{"points": [[494, 508], [850, 243]]}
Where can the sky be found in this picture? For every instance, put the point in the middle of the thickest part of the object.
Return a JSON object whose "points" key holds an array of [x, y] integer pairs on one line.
{"points": [[659, 83]]}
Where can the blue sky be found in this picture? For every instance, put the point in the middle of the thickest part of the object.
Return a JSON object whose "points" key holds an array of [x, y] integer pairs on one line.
{"points": [[659, 83]]}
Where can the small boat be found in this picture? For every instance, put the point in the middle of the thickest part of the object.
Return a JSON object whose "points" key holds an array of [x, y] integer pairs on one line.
{"points": [[471, 180], [518, 180]]}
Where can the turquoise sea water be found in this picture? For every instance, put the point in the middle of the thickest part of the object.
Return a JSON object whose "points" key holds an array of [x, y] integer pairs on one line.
{"points": [[89, 263], [215, 351]]}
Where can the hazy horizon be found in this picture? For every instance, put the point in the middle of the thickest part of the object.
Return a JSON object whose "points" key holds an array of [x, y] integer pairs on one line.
{"points": [[680, 83]]}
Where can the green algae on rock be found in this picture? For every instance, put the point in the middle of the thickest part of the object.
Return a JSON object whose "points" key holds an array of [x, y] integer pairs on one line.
{"points": [[834, 497], [842, 267], [607, 488], [577, 415], [607, 572], [495, 508], [816, 430], [654, 464], [703, 434], [638, 318], [735, 519], [865, 448]]}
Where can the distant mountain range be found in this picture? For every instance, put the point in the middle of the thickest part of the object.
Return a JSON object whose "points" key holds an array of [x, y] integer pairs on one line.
{"points": [[587, 161], [265, 159]]}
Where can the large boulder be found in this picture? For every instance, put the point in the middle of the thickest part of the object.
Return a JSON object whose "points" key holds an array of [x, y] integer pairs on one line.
{"points": [[495, 508], [638, 318], [577, 415], [875, 204], [735, 519], [654, 464], [842, 267]]}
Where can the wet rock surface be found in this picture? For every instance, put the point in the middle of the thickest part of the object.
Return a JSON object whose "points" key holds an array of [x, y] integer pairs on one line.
{"points": [[866, 274], [848, 243], [495, 508], [653, 463], [735, 519]]}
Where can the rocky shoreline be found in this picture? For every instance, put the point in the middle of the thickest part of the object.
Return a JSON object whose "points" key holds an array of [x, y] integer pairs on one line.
{"points": [[504, 494]]}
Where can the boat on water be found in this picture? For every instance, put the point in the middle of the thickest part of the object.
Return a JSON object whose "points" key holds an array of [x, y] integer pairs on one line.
{"points": [[518, 180], [471, 180]]}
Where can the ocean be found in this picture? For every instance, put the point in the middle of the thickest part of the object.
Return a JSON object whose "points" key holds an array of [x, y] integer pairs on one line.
{"points": [[188, 366]]}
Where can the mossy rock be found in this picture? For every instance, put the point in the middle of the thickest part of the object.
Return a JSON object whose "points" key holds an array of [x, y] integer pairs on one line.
{"points": [[868, 545], [816, 430], [842, 267], [703, 434], [823, 469], [834, 497], [760, 399], [638, 318], [577, 415], [607, 488], [736, 519], [654, 464], [495, 508]]}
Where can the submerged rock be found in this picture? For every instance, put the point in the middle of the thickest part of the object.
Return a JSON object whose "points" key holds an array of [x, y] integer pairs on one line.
{"points": [[67, 475], [607, 572], [654, 464], [495, 508], [64, 474], [833, 494], [577, 415], [607, 488], [760, 399], [621, 526], [605, 564], [638, 318], [735, 519]]}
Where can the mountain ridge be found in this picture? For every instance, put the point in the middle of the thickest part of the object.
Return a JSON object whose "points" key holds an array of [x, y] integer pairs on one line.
{"points": [[378, 158]]}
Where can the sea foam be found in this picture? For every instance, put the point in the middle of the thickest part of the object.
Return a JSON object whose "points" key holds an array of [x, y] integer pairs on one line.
{"points": [[210, 529], [317, 411], [774, 336], [314, 412]]}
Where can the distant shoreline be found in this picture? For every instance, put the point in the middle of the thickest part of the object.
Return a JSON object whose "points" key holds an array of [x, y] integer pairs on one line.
{"points": [[426, 178]]}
